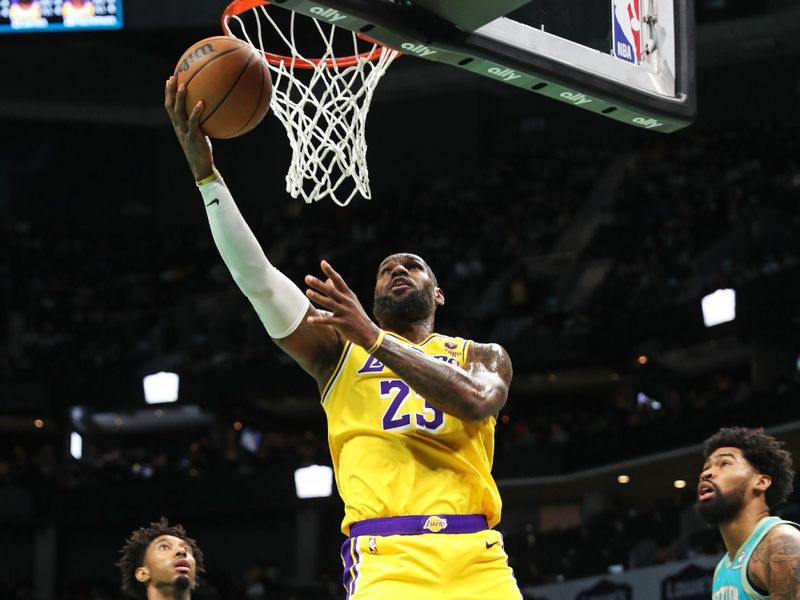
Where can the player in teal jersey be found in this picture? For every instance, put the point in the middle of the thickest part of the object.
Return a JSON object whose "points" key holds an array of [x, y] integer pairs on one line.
{"points": [[746, 474]]}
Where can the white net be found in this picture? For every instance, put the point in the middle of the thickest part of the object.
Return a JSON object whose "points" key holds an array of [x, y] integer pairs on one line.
{"points": [[323, 105]]}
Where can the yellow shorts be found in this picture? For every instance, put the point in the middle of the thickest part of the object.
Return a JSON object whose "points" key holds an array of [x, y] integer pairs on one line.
{"points": [[427, 566]]}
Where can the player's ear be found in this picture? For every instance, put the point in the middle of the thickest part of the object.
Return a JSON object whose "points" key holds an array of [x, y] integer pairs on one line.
{"points": [[762, 483], [438, 296], [142, 574]]}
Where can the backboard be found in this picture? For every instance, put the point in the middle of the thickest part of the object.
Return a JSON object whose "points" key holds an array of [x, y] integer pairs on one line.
{"points": [[628, 60]]}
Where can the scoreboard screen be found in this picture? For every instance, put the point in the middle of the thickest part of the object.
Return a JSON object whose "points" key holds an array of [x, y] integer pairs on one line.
{"points": [[26, 16]]}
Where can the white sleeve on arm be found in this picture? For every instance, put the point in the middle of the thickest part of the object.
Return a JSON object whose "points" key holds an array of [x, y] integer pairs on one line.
{"points": [[279, 303]]}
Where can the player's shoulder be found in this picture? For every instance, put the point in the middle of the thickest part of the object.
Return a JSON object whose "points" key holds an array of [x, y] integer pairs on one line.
{"points": [[488, 348], [776, 555], [776, 540], [489, 353], [785, 531]]}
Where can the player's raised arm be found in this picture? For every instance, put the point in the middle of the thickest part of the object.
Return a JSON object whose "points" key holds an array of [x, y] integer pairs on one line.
{"points": [[280, 304]]}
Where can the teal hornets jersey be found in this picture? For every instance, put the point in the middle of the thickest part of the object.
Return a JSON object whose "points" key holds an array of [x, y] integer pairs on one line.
{"points": [[730, 577]]}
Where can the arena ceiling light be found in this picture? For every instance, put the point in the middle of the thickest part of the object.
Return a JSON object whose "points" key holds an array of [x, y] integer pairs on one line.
{"points": [[719, 307], [161, 387], [76, 445], [315, 481]]}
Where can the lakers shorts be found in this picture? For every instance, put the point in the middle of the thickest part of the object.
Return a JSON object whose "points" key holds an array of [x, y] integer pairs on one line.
{"points": [[443, 557]]}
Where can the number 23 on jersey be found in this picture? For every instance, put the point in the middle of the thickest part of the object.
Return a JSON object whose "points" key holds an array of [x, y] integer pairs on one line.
{"points": [[399, 398]]}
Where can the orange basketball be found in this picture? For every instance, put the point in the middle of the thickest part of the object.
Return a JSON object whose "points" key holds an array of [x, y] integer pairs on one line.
{"points": [[232, 78]]}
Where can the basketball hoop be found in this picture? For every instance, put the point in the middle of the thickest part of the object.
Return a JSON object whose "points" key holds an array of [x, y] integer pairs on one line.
{"points": [[322, 102]]}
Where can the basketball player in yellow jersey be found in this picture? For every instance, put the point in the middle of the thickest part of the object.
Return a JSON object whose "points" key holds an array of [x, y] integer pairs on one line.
{"points": [[411, 413]]}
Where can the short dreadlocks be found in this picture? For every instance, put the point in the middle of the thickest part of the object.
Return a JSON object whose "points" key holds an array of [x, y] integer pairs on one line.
{"points": [[132, 554], [767, 455]]}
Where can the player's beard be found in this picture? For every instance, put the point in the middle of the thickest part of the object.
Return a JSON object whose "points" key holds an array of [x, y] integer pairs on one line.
{"points": [[179, 585], [182, 583], [412, 307], [722, 508]]}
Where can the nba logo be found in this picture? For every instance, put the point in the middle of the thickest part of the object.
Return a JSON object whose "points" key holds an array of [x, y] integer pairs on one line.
{"points": [[627, 29]]}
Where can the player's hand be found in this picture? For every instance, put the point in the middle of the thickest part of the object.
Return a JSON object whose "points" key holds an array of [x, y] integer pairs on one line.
{"points": [[348, 316], [196, 145]]}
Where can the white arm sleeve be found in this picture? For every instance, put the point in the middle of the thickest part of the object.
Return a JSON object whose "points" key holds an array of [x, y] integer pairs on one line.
{"points": [[279, 303]]}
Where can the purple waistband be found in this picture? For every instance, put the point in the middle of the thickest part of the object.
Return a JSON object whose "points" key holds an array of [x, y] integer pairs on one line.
{"points": [[416, 524]]}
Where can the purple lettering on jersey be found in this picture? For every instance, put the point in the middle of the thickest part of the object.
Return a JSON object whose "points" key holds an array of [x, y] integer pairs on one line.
{"points": [[436, 421], [430, 420], [447, 359], [373, 365], [390, 419]]}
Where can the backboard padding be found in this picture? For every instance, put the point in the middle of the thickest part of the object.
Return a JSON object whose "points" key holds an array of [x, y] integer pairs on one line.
{"points": [[470, 14], [648, 96]]}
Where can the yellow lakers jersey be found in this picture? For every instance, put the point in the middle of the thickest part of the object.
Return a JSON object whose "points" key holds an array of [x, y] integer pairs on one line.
{"points": [[395, 454]]}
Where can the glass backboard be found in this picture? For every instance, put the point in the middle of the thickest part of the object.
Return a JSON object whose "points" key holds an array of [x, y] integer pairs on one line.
{"points": [[629, 60]]}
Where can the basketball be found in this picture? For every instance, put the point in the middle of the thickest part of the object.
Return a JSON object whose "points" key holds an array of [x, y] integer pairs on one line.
{"points": [[232, 78]]}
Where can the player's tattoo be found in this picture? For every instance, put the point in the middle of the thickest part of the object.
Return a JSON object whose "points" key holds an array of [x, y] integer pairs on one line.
{"points": [[470, 394], [779, 557]]}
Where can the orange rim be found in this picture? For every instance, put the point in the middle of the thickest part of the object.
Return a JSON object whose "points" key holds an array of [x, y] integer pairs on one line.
{"points": [[237, 7]]}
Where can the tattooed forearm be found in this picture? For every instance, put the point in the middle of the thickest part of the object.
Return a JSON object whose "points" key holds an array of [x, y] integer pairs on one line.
{"points": [[470, 394]]}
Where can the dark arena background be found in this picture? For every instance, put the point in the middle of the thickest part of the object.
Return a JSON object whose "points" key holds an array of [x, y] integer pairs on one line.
{"points": [[582, 245]]}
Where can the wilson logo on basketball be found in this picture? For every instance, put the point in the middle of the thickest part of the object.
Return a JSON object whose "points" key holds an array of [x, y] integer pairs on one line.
{"points": [[202, 51]]}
